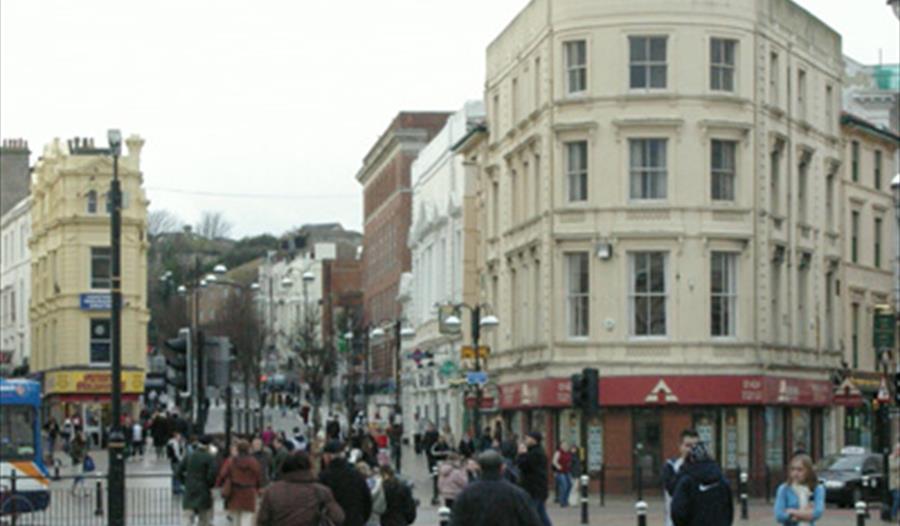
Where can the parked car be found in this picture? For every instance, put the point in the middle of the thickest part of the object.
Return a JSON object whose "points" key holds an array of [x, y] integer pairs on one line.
{"points": [[853, 475]]}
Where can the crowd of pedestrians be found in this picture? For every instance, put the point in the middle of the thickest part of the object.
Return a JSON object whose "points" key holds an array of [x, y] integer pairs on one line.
{"points": [[343, 476]]}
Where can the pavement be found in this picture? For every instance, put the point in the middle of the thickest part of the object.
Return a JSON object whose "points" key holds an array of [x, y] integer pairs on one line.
{"points": [[151, 476]]}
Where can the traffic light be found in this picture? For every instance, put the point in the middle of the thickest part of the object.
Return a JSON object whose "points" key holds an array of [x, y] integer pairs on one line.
{"points": [[178, 361], [585, 390], [591, 379], [897, 388]]}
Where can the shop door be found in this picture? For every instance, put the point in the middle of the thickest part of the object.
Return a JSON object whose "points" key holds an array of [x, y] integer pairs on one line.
{"points": [[647, 444]]}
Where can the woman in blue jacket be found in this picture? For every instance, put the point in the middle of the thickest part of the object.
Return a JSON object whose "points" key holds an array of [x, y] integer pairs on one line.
{"points": [[801, 500]]}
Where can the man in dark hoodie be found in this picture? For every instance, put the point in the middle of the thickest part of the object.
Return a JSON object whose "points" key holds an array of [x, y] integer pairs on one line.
{"points": [[532, 464], [702, 495], [348, 485]]}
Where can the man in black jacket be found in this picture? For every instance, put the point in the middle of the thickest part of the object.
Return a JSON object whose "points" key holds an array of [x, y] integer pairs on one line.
{"points": [[702, 495], [532, 464], [348, 485], [492, 501]]}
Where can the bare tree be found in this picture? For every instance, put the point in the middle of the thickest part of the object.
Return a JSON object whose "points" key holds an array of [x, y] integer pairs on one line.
{"points": [[213, 225], [161, 222], [240, 322], [315, 359]]}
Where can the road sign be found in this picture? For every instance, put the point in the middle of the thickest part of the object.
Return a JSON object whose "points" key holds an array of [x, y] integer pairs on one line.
{"points": [[467, 352], [476, 378]]}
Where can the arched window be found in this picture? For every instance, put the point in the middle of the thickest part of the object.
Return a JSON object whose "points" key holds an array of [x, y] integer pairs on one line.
{"points": [[92, 202]]}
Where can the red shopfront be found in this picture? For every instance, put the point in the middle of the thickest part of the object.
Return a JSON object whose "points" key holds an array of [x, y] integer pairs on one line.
{"points": [[751, 421]]}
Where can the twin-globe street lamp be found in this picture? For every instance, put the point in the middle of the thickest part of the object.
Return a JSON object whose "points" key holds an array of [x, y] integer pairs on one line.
{"points": [[401, 333], [478, 322]]}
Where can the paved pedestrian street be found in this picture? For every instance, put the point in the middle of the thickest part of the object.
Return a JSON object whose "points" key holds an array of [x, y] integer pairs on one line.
{"points": [[150, 476]]}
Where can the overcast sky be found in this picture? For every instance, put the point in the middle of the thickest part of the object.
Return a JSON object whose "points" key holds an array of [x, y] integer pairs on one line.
{"points": [[275, 101]]}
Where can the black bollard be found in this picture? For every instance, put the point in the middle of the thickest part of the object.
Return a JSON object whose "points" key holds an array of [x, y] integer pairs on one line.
{"points": [[99, 511], [12, 491], [444, 516], [640, 509], [768, 475], [862, 510], [585, 482], [434, 481], [55, 469], [742, 484], [603, 486]]}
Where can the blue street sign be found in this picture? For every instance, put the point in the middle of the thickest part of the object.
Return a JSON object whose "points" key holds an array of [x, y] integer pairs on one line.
{"points": [[476, 378], [96, 301]]}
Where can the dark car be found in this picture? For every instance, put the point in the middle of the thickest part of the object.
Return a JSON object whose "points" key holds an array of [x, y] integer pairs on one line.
{"points": [[852, 476]]}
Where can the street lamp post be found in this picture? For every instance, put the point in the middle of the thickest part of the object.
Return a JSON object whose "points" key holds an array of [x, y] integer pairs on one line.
{"points": [[116, 442], [477, 323], [400, 333]]}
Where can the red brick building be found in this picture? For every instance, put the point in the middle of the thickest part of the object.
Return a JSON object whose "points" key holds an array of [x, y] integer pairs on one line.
{"points": [[387, 199]]}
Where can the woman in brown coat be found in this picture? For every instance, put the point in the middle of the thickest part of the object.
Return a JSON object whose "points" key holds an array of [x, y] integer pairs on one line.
{"points": [[241, 480], [297, 499]]}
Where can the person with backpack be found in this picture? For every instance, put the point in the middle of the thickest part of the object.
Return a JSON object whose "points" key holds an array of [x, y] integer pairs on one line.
{"points": [[349, 487], [297, 499], [800, 501], [689, 438], [400, 509], [702, 495]]}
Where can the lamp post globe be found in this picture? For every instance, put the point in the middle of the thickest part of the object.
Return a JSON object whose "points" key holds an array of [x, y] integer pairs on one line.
{"points": [[308, 276], [489, 322], [220, 269], [453, 322]]}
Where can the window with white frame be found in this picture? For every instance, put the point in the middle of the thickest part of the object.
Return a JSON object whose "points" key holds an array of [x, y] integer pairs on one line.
{"points": [[577, 294], [722, 165], [647, 62], [101, 340], [577, 170], [723, 293], [722, 64], [648, 293], [647, 168], [576, 66]]}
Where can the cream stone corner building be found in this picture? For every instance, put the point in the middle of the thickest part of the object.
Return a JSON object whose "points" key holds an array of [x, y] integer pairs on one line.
{"points": [[653, 197], [70, 280]]}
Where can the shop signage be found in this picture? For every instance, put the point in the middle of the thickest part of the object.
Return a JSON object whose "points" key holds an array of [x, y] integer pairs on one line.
{"points": [[95, 301], [91, 382], [674, 390], [883, 331]]}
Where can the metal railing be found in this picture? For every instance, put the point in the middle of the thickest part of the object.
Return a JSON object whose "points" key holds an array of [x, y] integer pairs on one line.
{"points": [[80, 500]]}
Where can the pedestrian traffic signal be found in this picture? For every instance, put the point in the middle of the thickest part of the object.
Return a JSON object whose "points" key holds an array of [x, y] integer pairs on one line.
{"points": [[585, 389], [897, 388], [177, 352]]}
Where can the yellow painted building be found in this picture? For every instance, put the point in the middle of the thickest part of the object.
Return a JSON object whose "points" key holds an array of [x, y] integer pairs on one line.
{"points": [[70, 279]]}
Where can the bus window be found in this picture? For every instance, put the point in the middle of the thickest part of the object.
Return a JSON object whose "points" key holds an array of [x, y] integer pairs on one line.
{"points": [[17, 433]]}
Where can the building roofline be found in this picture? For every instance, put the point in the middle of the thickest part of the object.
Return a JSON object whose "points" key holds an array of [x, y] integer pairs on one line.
{"points": [[850, 119]]}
